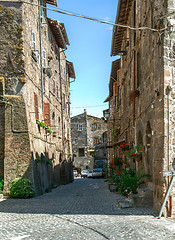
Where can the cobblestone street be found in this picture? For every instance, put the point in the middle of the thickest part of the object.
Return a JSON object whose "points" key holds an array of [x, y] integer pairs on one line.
{"points": [[84, 209]]}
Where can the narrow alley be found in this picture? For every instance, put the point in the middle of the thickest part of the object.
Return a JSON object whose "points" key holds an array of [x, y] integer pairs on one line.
{"points": [[84, 209]]}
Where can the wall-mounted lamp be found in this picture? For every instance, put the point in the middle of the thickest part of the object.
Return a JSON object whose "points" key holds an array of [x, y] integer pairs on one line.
{"points": [[122, 53]]}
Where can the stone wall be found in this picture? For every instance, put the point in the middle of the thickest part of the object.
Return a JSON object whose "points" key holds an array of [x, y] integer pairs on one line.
{"points": [[169, 95], [17, 155], [33, 153], [79, 137], [148, 68], [84, 162], [2, 138]]}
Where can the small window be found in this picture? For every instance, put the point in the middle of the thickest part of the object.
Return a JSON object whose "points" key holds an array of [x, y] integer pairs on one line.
{"points": [[44, 59], [47, 114], [94, 127], [36, 106], [96, 141], [33, 41], [80, 127]]}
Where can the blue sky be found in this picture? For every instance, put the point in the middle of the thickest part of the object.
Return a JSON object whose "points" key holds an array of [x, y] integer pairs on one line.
{"points": [[89, 50]]}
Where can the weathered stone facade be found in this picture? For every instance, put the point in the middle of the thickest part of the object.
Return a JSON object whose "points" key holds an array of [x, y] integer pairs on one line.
{"points": [[88, 141], [145, 103], [34, 86]]}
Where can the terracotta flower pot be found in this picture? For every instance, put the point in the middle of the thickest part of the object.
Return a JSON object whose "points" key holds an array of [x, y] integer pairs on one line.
{"points": [[138, 159]]}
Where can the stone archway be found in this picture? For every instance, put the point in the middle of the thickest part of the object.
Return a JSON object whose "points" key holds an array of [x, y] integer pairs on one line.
{"points": [[149, 154]]}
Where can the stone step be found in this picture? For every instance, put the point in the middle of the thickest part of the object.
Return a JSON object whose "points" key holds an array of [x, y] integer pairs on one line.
{"points": [[144, 197], [1, 195], [125, 203]]}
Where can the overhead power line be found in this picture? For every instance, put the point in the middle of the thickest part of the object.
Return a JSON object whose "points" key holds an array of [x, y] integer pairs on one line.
{"points": [[89, 106], [65, 12]]}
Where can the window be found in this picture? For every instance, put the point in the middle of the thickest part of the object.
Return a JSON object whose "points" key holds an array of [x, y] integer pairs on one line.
{"points": [[33, 41], [47, 114], [44, 59], [96, 141], [94, 127], [36, 106], [80, 127], [81, 152]]}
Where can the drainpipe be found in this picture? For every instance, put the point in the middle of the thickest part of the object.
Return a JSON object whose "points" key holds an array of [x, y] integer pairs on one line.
{"points": [[61, 96], [40, 9], [168, 90]]}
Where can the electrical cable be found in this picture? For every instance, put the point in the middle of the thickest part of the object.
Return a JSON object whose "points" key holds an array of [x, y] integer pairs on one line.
{"points": [[89, 106], [65, 12]]}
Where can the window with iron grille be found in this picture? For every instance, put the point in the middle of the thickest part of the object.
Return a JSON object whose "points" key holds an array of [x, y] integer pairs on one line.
{"points": [[47, 114]]}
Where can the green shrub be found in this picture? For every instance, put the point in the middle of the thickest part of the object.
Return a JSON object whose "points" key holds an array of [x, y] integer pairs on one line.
{"points": [[21, 188], [1, 185]]}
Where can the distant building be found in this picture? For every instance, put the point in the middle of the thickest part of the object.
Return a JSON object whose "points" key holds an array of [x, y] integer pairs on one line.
{"points": [[88, 135], [34, 87]]}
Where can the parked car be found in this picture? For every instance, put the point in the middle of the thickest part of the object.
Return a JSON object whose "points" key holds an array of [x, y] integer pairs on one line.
{"points": [[98, 172], [75, 173], [84, 173], [89, 174]]}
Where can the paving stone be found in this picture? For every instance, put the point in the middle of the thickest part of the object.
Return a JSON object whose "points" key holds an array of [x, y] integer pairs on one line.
{"points": [[83, 210]]}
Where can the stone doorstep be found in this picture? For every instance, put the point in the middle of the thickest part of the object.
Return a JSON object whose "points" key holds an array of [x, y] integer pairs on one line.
{"points": [[142, 199], [125, 203]]}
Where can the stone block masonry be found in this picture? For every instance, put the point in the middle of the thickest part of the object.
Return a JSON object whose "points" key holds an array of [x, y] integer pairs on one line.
{"points": [[27, 150]]}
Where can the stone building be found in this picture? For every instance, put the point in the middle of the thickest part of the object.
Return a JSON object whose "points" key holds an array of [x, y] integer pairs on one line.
{"points": [[141, 94], [35, 140], [88, 135]]}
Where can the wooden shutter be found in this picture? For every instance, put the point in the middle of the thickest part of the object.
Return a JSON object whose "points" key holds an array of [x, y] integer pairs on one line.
{"points": [[47, 114], [36, 106]]}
